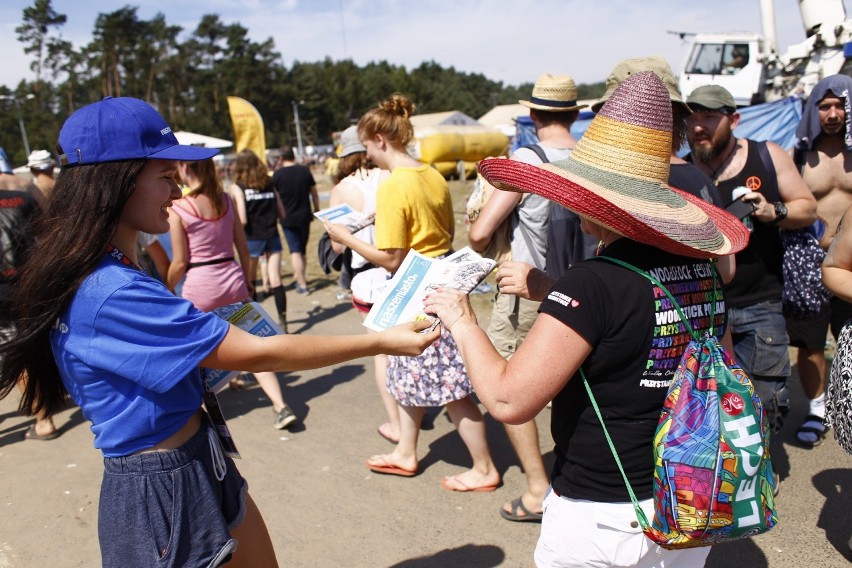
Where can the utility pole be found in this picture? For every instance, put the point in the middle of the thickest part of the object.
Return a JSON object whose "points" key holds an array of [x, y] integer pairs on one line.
{"points": [[14, 99], [298, 128]]}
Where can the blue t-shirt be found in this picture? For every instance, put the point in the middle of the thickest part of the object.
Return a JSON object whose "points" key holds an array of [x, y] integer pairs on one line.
{"points": [[128, 352]]}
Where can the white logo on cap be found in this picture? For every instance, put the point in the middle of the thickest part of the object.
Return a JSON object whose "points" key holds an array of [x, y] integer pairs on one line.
{"points": [[165, 130]]}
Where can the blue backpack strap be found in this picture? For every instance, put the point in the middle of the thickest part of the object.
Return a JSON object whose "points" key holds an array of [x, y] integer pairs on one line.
{"points": [[538, 151]]}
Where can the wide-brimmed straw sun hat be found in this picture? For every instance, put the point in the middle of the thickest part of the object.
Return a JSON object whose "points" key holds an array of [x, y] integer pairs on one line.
{"points": [[628, 67], [554, 93], [617, 178]]}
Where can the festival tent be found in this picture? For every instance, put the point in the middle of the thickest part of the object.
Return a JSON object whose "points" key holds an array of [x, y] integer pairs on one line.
{"points": [[775, 121], [193, 139], [502, 117], [446, 118]]}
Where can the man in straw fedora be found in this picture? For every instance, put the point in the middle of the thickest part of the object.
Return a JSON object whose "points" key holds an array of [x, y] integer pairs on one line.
{"points": [[764, 175], [553, 108], [607, 319]]}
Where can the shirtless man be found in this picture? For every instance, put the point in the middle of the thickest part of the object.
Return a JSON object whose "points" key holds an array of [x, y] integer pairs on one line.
{"points": [[824, 157], [41, 165]]}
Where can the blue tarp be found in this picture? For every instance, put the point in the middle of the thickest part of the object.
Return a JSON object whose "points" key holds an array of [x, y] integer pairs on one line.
{"points": [[776, 121]]}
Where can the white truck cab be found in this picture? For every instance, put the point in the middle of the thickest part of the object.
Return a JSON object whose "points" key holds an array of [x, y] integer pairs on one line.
{"points": [[731, 60]]}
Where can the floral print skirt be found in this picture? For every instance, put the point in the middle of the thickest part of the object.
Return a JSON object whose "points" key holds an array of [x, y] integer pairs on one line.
{"points": [[434, 378]]}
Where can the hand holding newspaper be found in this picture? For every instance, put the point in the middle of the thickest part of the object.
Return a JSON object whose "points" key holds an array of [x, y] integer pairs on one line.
{"points": [[344, 214], [402, 299]]}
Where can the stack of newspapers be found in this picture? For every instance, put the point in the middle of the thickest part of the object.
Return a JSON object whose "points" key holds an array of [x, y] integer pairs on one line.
{"points": [[402, 299]]}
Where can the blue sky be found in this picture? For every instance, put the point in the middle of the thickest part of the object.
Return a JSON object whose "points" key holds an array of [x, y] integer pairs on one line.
{"points": [[510, 41]]}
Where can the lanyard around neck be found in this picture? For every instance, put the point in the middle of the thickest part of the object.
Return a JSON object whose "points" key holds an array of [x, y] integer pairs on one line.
{"points": [[122, 258]]}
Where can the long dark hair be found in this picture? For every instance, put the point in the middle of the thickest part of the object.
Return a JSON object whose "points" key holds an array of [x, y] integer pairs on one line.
{"points": [[80, 217]]}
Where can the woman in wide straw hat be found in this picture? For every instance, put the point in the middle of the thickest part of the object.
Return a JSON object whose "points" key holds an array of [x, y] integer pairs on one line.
{"points": [[608, 320]]}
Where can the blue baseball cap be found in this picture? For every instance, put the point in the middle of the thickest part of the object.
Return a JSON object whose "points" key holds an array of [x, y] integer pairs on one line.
{"points": [[122, 128]]}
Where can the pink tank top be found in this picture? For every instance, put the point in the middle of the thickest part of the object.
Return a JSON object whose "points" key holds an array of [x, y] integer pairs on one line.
{"points": [[215, 284]]}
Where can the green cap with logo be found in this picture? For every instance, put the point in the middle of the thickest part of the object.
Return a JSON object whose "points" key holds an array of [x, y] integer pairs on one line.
{"points": [[712, 97]]}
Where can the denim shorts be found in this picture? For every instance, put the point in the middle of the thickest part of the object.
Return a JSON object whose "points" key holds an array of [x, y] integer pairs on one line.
{"points": [[297, 237], [760, 347], [167, 508], [258, 248]]}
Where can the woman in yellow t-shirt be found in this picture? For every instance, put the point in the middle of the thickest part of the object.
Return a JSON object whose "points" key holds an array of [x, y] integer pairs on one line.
{"points": [[414, 210]]}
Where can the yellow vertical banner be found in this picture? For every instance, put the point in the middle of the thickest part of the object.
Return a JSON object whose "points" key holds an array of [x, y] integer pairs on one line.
{"points": [[248, 127]]}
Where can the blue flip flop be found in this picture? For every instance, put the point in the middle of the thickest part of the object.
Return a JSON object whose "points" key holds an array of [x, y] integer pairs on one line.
{"points": [[812, 431]]}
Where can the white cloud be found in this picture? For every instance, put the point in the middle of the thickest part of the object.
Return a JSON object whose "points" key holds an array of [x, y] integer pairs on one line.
{"points": [[506, 41]]}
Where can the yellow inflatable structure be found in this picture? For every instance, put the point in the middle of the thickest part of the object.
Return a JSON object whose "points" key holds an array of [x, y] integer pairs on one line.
{"points": [[444, 146]]}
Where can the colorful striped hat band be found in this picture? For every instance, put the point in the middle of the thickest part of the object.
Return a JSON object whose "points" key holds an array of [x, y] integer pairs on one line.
{"points": [[617, 177]]}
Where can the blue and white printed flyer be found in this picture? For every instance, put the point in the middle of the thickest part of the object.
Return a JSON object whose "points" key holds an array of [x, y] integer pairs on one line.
{"points": [[402, 299], [344, 214]]}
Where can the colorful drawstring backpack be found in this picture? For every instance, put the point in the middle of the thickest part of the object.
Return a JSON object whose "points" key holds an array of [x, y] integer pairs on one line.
{"points": [[713, 479]]}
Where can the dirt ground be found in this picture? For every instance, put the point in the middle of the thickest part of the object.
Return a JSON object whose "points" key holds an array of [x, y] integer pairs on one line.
{"points": [[325, 508]]}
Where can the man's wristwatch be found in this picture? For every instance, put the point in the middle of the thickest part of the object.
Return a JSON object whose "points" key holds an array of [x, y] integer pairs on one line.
{"points": [[780, 212]]}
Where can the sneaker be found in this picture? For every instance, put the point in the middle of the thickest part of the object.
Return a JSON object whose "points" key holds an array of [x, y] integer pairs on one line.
{"points": [[301, 289], [284, 418]]}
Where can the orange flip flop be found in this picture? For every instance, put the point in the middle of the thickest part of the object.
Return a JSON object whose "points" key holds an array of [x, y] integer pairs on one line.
{"points": [[453, 483], [390, 469]]}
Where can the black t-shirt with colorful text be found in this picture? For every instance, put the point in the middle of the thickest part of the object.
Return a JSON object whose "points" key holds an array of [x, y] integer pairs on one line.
{"points": [[638, 339]]}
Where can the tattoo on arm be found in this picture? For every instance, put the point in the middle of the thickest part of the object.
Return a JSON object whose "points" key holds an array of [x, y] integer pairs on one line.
{"points": [[829, 255]]}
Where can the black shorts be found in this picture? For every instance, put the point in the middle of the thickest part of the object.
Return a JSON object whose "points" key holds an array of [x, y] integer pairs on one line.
{"points": [[811, 334], [297, 237]]}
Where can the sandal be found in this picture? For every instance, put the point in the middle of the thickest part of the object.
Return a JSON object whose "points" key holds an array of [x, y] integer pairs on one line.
{"points": [[812, 431], [527, 516], [31, 434], [238, 383]]}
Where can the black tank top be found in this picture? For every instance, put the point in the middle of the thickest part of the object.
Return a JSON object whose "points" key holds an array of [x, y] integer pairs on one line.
{"points": [[261, 214], [758, 276]]}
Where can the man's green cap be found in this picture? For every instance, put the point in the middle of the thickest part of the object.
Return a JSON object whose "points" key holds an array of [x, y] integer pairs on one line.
{"points": [[712, 97]]}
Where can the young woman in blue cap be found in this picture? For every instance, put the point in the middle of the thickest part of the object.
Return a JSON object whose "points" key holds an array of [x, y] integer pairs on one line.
{"points": [[129, 352]]}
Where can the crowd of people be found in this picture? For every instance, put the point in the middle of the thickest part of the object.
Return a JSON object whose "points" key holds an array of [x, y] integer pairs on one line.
{"points": [[138, 374]]}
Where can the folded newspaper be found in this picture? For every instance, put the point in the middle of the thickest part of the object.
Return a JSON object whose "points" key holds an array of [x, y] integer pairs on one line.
{"points": [[250, 317], [402, 299], [354, 220]]}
